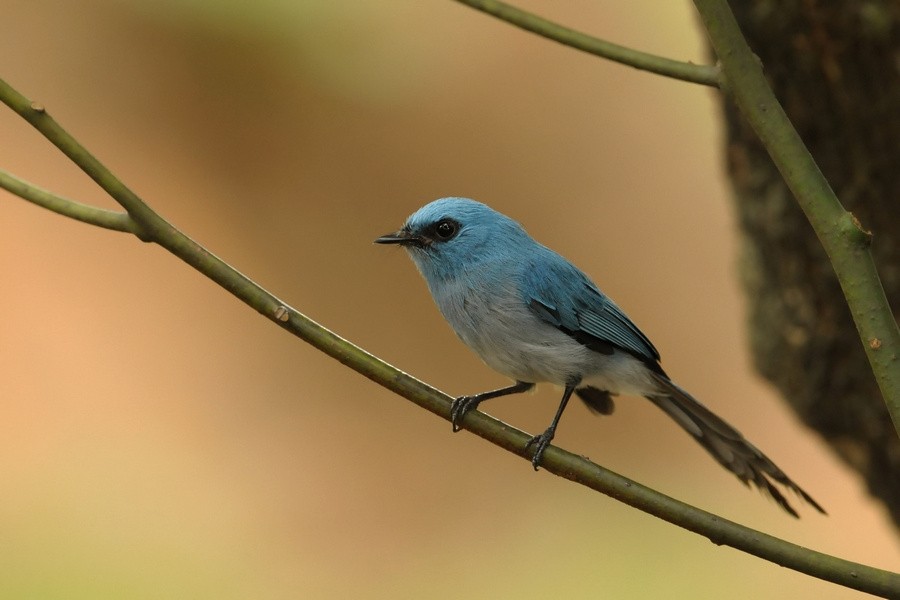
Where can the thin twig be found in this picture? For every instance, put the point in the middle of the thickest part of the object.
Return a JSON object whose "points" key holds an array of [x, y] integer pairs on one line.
{"points": [[685, 71], [108, 219]]}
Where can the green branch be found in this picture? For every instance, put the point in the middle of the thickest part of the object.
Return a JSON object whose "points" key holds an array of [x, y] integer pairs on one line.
{"points": [[842, 236], [108, 219], [149, 226], [702, 74]]}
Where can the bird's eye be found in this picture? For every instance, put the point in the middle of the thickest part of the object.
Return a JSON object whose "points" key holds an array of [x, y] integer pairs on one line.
{"points": [[446, 229]]}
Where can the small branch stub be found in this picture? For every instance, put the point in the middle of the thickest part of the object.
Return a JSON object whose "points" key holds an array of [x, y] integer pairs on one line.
{"points": [[38, 107], [866, 234]]}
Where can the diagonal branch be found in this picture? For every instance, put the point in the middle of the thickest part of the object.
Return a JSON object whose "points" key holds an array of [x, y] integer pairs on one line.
{"points": [[843, 237], [685, 71], [151, 227]]}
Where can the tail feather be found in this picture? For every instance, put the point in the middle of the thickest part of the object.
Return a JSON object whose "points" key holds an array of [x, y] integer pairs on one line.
{"points": [[599, 401], [726, 444]]}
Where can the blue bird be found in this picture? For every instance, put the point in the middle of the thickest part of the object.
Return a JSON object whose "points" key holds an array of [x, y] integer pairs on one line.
{"points": [[531, 315]]}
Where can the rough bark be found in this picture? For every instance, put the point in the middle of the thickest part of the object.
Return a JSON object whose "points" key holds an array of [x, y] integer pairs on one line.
{"points": [[835, 67]]}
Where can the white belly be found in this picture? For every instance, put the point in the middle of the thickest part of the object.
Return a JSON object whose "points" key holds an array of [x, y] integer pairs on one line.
{"points": [[514, 341]]}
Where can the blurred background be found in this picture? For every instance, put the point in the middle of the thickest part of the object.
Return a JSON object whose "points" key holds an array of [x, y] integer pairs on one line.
{"points": [[158, 439]]}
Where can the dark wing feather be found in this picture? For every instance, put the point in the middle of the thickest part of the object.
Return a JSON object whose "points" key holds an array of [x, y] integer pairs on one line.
{"points": [[563, 296]]}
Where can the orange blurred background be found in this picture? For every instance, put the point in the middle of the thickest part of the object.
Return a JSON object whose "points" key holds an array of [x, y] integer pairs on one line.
{"points": [[158, 439]]}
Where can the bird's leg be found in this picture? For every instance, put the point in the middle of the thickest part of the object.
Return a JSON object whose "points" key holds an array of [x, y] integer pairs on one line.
{"points": [[464, 404], [543, 440]]}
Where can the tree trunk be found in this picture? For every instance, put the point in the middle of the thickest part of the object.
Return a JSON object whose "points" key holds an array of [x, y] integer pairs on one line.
{"points": [[835, 67]]}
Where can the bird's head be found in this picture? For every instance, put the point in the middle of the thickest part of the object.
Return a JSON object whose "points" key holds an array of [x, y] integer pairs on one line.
{"points": [[453, 235]]}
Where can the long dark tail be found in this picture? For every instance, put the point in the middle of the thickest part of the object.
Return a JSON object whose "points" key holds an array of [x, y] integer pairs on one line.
{"points": [[726, 444]]}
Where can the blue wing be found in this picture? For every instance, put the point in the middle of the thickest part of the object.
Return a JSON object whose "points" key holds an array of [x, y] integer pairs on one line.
{"points": [[563, 296]]}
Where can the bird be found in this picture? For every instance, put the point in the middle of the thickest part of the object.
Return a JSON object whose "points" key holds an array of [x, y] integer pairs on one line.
{"points": [[533, 316]]}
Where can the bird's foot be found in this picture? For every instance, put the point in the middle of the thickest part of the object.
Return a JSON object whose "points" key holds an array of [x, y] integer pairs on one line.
{"points": [[459, 408], [540, 442]]}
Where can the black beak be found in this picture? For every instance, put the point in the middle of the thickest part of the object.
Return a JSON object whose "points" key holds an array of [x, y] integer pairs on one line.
{"points": [[402, 237]]}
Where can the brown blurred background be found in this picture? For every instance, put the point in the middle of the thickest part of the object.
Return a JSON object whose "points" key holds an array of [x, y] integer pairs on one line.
{"points": [[158, 439]]}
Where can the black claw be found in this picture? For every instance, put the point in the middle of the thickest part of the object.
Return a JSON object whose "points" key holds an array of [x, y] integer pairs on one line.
{"points": [[458, 410], [463, 404], [542, 442]]}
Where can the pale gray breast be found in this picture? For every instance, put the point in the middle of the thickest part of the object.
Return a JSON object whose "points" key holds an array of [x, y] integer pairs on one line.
{"points": [[509, 337]]}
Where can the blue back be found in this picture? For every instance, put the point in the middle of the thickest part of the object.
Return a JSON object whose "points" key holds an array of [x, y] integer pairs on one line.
{"points": [[560, 294]]}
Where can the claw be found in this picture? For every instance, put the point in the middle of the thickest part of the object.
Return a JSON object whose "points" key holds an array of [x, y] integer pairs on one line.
{"points": [[458, 410], [542, 442], [463, 404]]}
